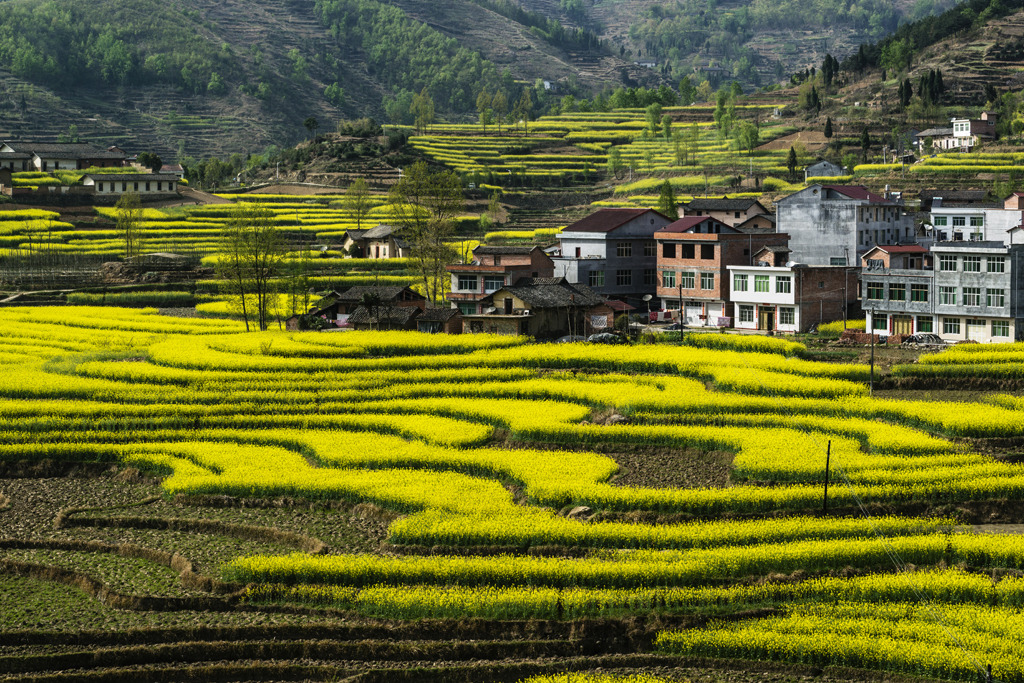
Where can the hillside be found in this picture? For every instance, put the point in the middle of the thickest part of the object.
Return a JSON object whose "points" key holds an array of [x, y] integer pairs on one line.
{"points": [[204, 78]]}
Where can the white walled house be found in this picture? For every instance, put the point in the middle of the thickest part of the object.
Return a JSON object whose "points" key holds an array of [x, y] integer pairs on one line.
{"points": [[955, 222], [122, 183]]}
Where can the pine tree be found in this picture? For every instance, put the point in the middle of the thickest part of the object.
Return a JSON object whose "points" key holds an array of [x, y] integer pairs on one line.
{"points": [[828, 127], [791, 162], [865, 144], [667, 205]]}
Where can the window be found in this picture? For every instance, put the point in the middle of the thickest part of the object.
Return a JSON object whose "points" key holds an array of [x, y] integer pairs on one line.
{"points": [[761, 283], [995, 298], [668, 278], [668, 250], [650, 277], [1000, 328], [919, 292], [924, 323], [101, 187], [879, 321], [959, 221], [595, 278], [707, 251], [686, 251], [493, 283], [972, 264], [624, 249], [947, 296], [972, 296], [875, 264], [783, 284], [468, 282], [147, 186], [746, 313], [467, 308], [947, 262], [977, 221], [650, 249], [940, 221], [136, 187], [951, 326], [624, 278], [995, 264], [787, 315], [687, 280], [837, 261], [897, 291], [707, 280], [739, 283], [876, 290]]}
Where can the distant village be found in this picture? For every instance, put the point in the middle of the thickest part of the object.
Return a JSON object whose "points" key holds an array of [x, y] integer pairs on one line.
{"points": [[824, 253]]}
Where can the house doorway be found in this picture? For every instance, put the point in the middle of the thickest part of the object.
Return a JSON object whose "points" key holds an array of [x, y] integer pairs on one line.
{"points": [[902, 324], [975, 329], [766, 319]]}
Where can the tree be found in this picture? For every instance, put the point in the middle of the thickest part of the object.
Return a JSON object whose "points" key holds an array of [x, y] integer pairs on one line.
{"points": [[828, 127], [423, 110], [483, 107], [747, 135], [614, 162], [357, 200], [311, 125], [524, 108], [499, 104], [129, 214], [252, 254], [791, 162], [151, 161], [424, 204], [653, 117], [667, 204], [865, 144]]}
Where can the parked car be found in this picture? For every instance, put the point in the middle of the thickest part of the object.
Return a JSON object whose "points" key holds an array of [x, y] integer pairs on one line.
{"points": [[605, 338]]}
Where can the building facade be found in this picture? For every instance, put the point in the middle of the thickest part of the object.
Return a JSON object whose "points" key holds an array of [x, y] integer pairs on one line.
{"points": [[613, 252], [960, 291], [693, 258], [493, 268], [834, 225]]}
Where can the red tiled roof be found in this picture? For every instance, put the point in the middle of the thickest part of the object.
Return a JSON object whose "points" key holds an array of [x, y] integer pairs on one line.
{"points": [[606, 220], [617, 305], [683, 224], [857, 192], [903, 249]]}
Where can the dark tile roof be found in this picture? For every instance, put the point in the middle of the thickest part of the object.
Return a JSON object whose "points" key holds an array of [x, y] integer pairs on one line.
{"points": [[554, 293], [503, 251], [15, 155], [131, 176], [770, 217], [934, 132], [687, 223], [70, 149], [393, 316], [606, 220], [385, 292], [723, 204], [438, 314], [356, 234], [380, 232], [775, 249], [857, 192]]}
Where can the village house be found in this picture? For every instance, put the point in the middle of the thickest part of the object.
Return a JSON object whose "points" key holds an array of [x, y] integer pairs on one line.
{"points": [[143, 184], [729, 211], [693, 258], [440, 320], [544, 308], [384, 242], [493, 268], [613, 253], [775, 294], [834, 225], [337, 307], [963, 134], [47, 157], [822, 169], [957, 290]]}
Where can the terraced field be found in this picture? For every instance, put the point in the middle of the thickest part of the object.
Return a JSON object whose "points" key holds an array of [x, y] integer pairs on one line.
{"points": [[180, 500]]}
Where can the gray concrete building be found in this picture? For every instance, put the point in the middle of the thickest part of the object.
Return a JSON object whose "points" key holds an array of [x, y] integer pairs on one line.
{"points": [[834, 225], [957, 290], [613, 252]]}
